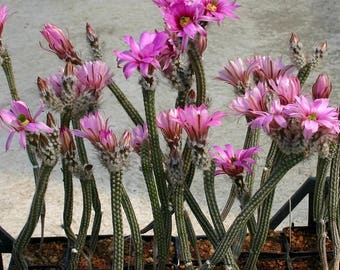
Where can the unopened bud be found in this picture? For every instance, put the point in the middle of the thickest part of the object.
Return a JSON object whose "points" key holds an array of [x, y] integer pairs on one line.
{"points": [[91, 34], [50, 120], [297, 54], [322, 87], [42, 84], [201, 42]]}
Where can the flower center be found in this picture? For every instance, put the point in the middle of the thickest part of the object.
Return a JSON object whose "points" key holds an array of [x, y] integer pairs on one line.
{"points": [[211, 7], [233, 159], [312, 116], [184, 21], [23, 120]]}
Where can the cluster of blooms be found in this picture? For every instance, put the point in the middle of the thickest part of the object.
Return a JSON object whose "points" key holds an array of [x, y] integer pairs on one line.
{"points": [[76, 89], [275, 103], [113, 153], [184, 20]]}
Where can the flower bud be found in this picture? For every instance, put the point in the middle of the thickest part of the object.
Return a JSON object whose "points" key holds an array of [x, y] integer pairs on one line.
{"points": [[3, 18], [322, 87]]}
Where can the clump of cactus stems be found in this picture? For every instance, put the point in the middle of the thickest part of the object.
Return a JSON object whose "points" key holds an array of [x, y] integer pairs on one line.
{"points": [[269, 96]]}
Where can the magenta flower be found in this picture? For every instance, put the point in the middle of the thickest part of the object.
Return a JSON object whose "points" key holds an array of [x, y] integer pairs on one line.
{"points": [[286, 88], [171, 129], [196, 121], [217, 10], [237, 74], [18, 119], [94, 76], [231, 163], [59, 43], [184, 20], [322, 87], [142, 56], [140, 134], [314, 116], [3, 18]]}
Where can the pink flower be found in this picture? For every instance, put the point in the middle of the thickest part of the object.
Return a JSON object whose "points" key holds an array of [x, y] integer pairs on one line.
{"points": [[143, 55], [231, 163], [19, 120], [94, 76], [184, 20], [271, 69], [217, 10], [236, 74], [140, 135], [91, 127], [272, 120], [322, 87], [314, 116], [286, 88], [3, 18], [59, 43], [171, 129], [253, 103], [196, 121], [96, 130]]}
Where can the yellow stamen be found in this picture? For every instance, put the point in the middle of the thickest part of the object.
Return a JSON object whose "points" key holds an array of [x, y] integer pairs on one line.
{"points": [[312, 116], [23, 120], [211, 7], [184, 21]]}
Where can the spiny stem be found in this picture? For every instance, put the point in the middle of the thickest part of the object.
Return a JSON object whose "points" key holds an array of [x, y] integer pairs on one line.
{"points": [[148, 87], [286, 163], [117, 220], [36, 207], [261, 233], [333, 206], [197, 66], [134, 228], [6, 64], [180, 225], [209, 190], [154, 200], [95, 198], [86, 185], [319, 207], [304, 73]]}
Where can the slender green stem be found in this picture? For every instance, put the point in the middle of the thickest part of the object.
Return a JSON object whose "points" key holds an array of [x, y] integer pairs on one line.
{"points": [[333, 206], [36, 207], [157, 159], [36, 168], [209, 189], [126, 104], [154, 200], [86, 185], [117, 220], [95, 198], [180, 225], [261, 233], [6, 64], [68, 200], [319, 207], [304, 73], [285, 164], [134, 228], [197, 66], [230, 201], [192, 236]]}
